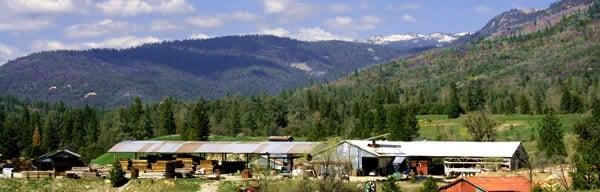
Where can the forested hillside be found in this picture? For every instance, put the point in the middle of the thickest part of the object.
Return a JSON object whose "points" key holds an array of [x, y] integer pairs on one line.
{"points": [[187, 69]]}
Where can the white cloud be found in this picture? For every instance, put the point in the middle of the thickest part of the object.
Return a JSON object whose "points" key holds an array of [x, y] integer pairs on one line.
{"points": [[46, 45], [136, 7], [6, 53], [39, 6], [280, 32], [122, 42], [408, 18], [204, 22], [347, 23], [318, 34], [275, 6], [23, 24], [164, 25], [118, 42], [289, 9], [199, 36], [340, 8], [244, 16], [484, 10], [103, 27], [401, 7]]}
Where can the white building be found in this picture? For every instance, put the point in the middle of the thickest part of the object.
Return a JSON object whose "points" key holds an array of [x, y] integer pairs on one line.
{"points": [[364, 157]]}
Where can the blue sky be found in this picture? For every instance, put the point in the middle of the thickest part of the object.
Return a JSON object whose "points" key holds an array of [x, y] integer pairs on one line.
{"points": [[28, 26]]}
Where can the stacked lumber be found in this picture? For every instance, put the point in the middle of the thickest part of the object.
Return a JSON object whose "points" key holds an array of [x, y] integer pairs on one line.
{"points": [[160, 166], [124, 164], [207, 166], [81, 172], [151, 175], [187, 162], [141, 165], [37, 174]]}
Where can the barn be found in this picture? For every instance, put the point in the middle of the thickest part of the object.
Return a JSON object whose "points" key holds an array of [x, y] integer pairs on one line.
{"points": [[59, 161], [378, 157]]}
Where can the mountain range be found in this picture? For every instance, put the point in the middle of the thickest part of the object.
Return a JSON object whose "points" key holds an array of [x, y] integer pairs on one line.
{"points": [[185, 69], [246, 65]]}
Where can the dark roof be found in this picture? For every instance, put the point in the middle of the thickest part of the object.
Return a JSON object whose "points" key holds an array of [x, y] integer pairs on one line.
{"points": [[53, 153]]}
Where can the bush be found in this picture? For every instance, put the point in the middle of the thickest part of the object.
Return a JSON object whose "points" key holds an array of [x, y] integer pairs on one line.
{"points": [[117, 175], [429, 185], [389, 185]]}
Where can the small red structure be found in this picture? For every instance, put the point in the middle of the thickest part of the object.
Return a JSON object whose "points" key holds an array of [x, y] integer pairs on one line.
{"points": [[489, 184]]}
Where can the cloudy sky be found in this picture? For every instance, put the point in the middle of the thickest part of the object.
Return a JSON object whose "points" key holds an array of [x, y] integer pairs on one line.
{"points": [[28, 26]]}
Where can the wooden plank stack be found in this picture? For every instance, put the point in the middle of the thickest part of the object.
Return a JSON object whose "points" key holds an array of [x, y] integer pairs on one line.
{"points": [[141, 165], [160, 166], [207, 166], [124, 164], [37, 174]]}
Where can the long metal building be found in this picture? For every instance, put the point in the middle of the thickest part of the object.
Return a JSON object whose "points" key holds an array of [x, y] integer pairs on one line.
{"points": [[370, 157]]}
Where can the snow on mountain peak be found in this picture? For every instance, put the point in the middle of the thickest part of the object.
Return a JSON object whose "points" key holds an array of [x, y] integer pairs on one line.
{"points": [[439, 37]]}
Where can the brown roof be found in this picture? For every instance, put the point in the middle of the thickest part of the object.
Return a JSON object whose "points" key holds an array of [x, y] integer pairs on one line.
{"points": [[505, 184], [235, 147]]}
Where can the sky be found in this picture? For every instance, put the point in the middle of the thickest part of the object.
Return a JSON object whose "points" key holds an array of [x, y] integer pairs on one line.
{"points": [[28, 26]]}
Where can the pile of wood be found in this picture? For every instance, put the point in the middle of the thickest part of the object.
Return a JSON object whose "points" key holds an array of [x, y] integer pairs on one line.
{"points": [[160, 166], [124, 164], [82, 172], [185, 166], [37, 174], [141, 165], [206, 166]]}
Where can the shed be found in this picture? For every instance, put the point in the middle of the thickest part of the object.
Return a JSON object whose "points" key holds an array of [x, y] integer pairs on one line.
{"points": [[59, 161], [456, 157], [489, 184]]}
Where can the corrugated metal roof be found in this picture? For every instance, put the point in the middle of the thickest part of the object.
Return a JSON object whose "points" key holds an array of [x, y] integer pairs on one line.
{"points": [[214, 147], [439, 148]]}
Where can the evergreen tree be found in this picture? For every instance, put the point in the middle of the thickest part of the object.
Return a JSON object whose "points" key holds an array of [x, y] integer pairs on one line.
{"points": [[117, 175], [453, 109], [587, 157], [50, 132], [550, 135], [198, 128], [91, 128], [524, 104], [401, 123], [166, 124]]}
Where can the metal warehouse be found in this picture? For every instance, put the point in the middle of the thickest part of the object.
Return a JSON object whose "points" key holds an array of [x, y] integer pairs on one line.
{"points": [[371, 157]]}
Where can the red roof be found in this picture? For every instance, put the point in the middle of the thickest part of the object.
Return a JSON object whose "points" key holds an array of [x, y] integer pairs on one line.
{"points": [[507, 184]]}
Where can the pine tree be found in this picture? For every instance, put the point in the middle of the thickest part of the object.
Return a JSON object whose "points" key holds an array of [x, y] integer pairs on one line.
{"points": [[453, 109], [50, 132], [166, 124], [198, 127], [401, 123], [117, 175], [524, 105], [550, 135], [587, 159], [91, 129]]}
